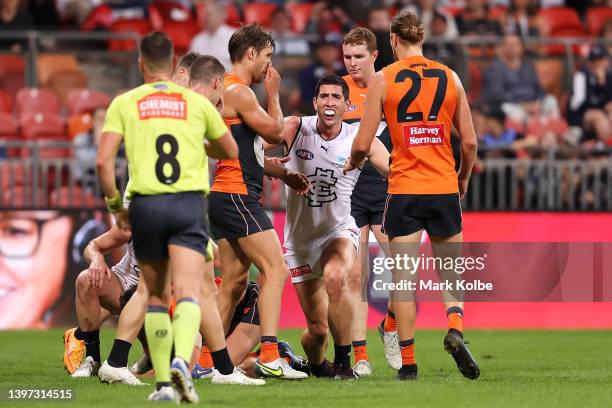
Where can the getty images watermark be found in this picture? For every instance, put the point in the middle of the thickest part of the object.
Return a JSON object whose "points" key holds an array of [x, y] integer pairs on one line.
{"points": [[412, 264], [486, 271]]}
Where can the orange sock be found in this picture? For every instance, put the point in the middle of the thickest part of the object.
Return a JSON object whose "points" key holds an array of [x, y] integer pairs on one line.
{"points": [[455, 318], [205, 358], [407, 350], [269, 350], [390, 324], [360, 350]]}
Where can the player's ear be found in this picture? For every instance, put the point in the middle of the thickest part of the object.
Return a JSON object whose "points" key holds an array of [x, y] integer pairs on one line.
{"points": [[251, 53], [314, 103], [218, 82], [140, 65], [374, 55]]}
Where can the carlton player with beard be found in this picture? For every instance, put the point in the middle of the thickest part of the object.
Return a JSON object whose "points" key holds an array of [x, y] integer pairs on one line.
{"points": [[422, 100]]}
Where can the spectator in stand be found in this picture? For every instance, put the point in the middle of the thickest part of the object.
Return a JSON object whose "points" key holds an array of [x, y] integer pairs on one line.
{"points": [[474, 20], [13, 17], [512, 83], [496, 136], [329, 23], [288, 44], [590, 103], [521, 19], [426, 9], [85, 149], [379, 21], [214, 39], [440, 50], [327, 62]]}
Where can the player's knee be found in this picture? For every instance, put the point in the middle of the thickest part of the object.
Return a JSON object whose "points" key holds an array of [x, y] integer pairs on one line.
{"points": [[82, 284], [335, 283]]}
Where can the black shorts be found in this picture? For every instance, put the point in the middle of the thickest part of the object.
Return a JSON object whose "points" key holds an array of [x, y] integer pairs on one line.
{"points": [[368, 203], [246, 311], [160, 220], [438, 214], [234, 216]]}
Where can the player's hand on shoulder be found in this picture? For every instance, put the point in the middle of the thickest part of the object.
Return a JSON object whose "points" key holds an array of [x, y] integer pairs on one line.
{"points": [[350, 166], [272, 80]]}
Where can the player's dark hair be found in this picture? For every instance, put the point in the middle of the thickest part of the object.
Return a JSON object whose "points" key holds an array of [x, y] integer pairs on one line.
{"points": [[250, 35], [205, 68], [156, 50], [333, 80], [187, 60], [408, 27]]}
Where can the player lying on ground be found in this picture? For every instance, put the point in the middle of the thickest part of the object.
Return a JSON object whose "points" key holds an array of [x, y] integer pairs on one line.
{"points": [[321, 238]]}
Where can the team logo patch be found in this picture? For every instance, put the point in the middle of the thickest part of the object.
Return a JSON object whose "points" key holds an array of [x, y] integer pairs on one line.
{"points": [[322, 187], [304, 154], [300, 270], [423, 135], [162, 105]]}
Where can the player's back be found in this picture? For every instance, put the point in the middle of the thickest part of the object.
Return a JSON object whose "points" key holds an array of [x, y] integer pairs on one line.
{"points": [[419, 109], [164, 126], [243, 175]]}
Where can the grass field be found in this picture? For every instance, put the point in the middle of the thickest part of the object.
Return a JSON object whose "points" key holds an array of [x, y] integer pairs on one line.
{"points": [[518, 369]]}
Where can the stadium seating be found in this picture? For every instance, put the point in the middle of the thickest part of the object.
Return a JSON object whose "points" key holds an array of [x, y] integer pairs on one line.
{"points": [[300, 14], [162, 12], [42, 125], [14, 173], [73, 196], [63, 82], [181, 34], [24, 196], [36, 100], [596, 17], [560, 22], [85, 100], [12, 73], [258, 13], [6, 102], [138, 26], [78, 123], [9, 129], [49, 65]]}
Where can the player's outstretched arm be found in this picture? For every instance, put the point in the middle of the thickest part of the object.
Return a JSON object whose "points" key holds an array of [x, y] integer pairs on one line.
{"points": [[95, 250], [295, 180], [379, 157], [222, 148], [377, 91], [243, 100], [469, 143]]}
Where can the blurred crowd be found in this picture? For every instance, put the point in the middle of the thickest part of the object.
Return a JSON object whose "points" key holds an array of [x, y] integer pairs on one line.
{"points": [[514, 86]]}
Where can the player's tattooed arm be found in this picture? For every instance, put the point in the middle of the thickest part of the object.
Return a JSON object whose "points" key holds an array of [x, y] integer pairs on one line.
{"points": [[379, 157], [95, 250], [377, 90], [469, 143], [242, 100]]}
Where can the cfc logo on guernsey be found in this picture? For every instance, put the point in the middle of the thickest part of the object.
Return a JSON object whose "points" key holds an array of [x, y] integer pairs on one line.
{"points": [[423, 135]]}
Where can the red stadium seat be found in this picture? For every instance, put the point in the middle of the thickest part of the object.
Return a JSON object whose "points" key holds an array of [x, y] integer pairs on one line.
{"points": [[49, 65], [6, 102], [42, 125], [258, 13], [181, 34], [36, 100], [14, 173], [138, 26], [496, 12], [63, 82], [86, 100], [9, 129], [300, 14], [162, 12], [23, 196], [556, 20], [99, 17], [12, 73], [596, 17], [73, 197]]}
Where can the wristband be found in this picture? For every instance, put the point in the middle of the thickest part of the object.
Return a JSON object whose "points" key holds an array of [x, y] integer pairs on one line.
{"points": [[115, 203]]}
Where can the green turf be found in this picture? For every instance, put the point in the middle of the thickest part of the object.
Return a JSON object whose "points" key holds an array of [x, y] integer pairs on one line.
{"points": [[518, 368]]}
